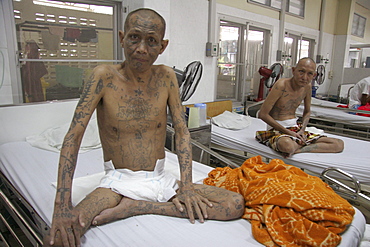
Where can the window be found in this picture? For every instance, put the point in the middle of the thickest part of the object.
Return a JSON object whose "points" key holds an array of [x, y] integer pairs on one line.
{"points": [[296, 47], [295, 7], [59, 44], [358, 25], [243, 49]]}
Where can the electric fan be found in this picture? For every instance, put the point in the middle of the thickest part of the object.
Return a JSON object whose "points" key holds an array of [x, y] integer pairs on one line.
{"points": [[269, 77], [189, 79], [319, 79]]}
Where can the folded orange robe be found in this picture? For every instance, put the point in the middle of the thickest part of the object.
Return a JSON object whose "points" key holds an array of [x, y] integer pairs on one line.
{"points": [[286, 206]]}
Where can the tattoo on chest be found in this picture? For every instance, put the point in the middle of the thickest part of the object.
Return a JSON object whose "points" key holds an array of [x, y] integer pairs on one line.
{"points": [[140, 80], [288, 106], [138, 149], [154, 84], [134, 108], [138, 92]]}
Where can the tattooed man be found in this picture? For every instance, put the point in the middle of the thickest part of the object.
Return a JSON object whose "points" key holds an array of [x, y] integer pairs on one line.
{"points": [[131, 100], [283, 133]]}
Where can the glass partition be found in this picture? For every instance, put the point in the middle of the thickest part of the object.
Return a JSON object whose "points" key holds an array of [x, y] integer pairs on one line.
{"points": [[59, 43]]}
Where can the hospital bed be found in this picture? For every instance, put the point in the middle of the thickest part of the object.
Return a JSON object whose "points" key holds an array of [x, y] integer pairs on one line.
{"points": [[327, 116], [348, 172]]}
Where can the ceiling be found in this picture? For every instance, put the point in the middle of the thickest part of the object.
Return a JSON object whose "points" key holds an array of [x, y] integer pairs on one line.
{"points": [[365, 3]]}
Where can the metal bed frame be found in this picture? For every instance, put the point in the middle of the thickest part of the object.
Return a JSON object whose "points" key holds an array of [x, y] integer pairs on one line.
{"points": [[352, 193], [17, 214]]}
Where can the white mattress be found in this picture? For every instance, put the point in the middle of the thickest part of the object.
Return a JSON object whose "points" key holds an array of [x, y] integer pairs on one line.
{"points": [[354, 159], [331, 112], [32, 171]]}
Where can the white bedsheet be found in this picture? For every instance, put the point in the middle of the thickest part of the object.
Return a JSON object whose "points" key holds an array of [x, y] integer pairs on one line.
{"points": [[34, 171], [333, 113]]}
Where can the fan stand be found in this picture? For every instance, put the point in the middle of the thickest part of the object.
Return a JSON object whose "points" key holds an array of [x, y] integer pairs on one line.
{"points": [[265, 73], [261, 89]]}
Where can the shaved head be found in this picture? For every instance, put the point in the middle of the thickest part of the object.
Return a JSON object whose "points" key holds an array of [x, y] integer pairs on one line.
{"points": [[147, 14]]}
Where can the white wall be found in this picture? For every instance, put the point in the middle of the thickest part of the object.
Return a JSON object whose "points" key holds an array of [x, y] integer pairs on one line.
{"points": [[354, 75], [6, 91]]}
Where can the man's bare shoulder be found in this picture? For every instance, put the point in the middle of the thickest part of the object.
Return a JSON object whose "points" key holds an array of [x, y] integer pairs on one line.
{"points": [[163, 68], [102, 69], [166, 72], [281, 83]]}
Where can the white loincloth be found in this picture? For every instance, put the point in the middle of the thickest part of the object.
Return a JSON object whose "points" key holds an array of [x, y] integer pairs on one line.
{"points": [[155, 186], [293, 123], [285, 123]]}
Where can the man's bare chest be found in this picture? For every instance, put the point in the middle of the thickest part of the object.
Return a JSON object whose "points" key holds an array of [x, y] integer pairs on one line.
{"points": [[128, 103]]}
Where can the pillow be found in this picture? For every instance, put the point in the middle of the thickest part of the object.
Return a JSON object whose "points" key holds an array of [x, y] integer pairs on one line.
{"points": [[232, 120], [52, 139]]}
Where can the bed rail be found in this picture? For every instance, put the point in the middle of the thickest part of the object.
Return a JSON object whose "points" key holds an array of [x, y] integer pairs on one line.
{"points": [[352, 192], [22, 216]]}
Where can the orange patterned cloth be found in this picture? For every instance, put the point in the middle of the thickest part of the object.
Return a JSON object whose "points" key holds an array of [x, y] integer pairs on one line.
{"points": [[286, 206]]}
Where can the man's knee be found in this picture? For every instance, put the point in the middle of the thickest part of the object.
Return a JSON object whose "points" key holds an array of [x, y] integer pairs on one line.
{"points": [[286, 145], [339, 144], [236, 205]]}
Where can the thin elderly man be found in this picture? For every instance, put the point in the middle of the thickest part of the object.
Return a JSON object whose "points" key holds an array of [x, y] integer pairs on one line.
{"points": [[131, 100], [284, 134], [360, 94]]}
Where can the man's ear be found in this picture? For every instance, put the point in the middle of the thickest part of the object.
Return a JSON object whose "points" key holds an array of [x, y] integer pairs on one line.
{"points": [[164, 44], [121, 35]]}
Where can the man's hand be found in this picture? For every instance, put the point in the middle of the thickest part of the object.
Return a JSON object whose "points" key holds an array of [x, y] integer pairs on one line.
{"points": [[68, 221], [187, 196], [300, 136]]}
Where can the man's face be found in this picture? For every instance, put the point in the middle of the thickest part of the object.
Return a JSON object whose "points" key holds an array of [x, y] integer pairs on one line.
{"points": [[304, 73], [143, 41]]}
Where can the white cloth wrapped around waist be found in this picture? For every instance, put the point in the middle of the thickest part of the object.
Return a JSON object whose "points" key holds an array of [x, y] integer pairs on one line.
{"points": [[293, 123], [140, 185], [285, 123]]}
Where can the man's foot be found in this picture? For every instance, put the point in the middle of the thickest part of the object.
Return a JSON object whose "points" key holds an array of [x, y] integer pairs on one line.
{"points": [[121, 211], [286, 155]]}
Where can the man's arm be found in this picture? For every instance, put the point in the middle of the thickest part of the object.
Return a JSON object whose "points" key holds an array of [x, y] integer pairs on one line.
{"points": [[365, 99], [307, 108], [186, 194], [276, 92], [365, 91], [64, 216]]}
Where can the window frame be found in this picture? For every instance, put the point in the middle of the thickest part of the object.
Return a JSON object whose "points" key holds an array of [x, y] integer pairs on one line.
{"points": [[355, 29], [270, 4]]}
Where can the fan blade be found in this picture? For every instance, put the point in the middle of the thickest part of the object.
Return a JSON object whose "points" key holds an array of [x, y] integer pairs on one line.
{"points": [[191, 78]]}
